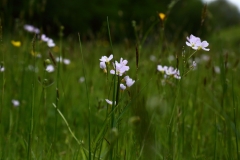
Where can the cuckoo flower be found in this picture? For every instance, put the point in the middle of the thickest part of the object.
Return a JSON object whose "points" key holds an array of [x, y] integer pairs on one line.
{"points": [[109, 102], [106, 59], [31, 29], [120, 68], [193, 41], [169, 71], [129, 81], [196, 43]]}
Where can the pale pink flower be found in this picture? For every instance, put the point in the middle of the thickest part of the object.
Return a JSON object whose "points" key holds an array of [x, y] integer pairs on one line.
{"points": [[109, 102]]}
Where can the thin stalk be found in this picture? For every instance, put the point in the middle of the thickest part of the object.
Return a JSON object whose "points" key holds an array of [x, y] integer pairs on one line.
{"points": [[216, 139], [114, 89], [87, 94], [64, 119], [235, 119], [192, 54], [3, 78], [32, 104]]}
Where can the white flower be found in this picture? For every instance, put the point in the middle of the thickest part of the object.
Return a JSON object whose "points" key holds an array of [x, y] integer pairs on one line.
{"points": [[170, 71], [177, 76], [106, 59], [44, 38], [66, 61], [109, 102], [203, 46], [81, 79], [15, 103], [194, 64], [196, 44], [193, 41], [129, 81], [50, 43], [162, 68], [31, 29], [122, 86], [103, 65], [121, 67], [50, 68], [2, 69]]}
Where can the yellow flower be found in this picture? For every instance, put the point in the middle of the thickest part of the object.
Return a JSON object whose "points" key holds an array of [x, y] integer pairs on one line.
{"points": [[16, 43], [162, 16]]}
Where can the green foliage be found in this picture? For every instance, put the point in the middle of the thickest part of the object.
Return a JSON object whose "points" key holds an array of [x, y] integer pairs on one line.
{"points": [[157, 118], [222, 14]]}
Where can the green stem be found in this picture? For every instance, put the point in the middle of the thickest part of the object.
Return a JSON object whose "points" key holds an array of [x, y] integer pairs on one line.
{"points": [[33, 98], [87, 94], [192, 54]]}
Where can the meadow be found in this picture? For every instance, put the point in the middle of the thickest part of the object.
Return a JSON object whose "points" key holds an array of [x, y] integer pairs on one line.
{"points": [[53, 99]]}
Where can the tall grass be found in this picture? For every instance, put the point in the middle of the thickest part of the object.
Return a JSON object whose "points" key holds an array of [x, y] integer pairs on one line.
{"points": [[62, 117]]}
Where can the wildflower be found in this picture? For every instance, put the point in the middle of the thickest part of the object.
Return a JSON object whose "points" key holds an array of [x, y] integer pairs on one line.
{"points": [[122, 86], [109, 102], [193, 41], [129, 81], [16, 43], [121, 67], [103, 65], [81, 79], [162, 68], [2, 69], [50, 43], [177, 76], [203, 46], [162, 16], [196, 44], [169, 71], [44, 38], [64, 60], [194, 64], [31, 29], [15, 103], [50, 68], [106, 59]]}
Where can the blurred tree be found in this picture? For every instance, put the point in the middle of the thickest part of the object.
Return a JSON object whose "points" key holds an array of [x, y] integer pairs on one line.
{"points": [[222, 14], [90, 17]]}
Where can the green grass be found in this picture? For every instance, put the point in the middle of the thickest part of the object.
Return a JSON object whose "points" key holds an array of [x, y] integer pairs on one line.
{"points": [[192, 118]]}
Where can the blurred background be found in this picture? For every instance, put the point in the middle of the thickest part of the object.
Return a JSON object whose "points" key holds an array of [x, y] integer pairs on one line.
{"points": [[184, 17]]}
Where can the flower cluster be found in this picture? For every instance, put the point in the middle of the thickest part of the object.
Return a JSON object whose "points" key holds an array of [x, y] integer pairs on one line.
{"points": [[48, 40], [119, 68], [196, 43], [169, 71], [128, 82], [43, 37], [63, 60], [31, 29]]}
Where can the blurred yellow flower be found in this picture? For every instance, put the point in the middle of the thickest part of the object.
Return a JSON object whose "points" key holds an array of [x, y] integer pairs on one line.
{"points": [[16, 43], [162, 16]]}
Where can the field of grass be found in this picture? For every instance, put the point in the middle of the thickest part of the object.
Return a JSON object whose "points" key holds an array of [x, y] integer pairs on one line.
{"points": [[64, 115]]}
